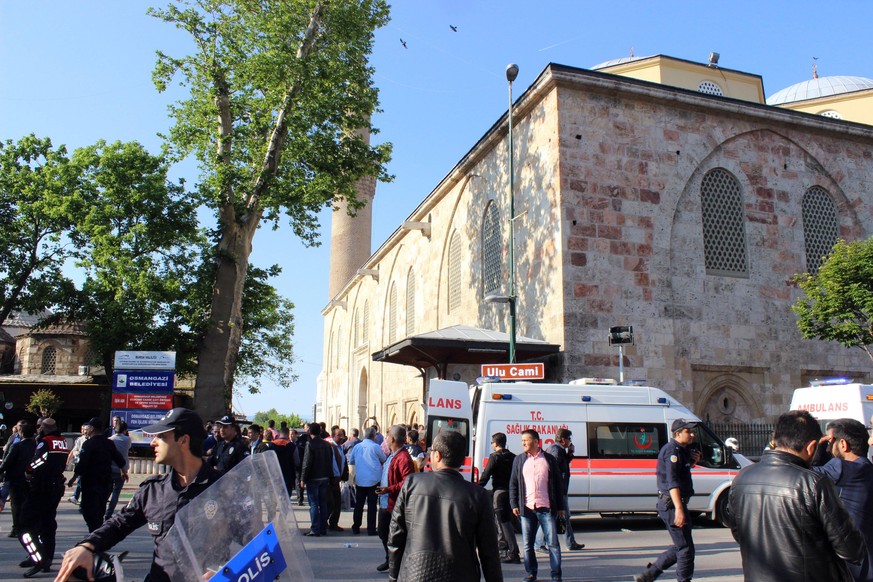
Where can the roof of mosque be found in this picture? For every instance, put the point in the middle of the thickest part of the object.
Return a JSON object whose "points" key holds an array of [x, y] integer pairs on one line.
{"points": [[620, 61], [820, 87]]}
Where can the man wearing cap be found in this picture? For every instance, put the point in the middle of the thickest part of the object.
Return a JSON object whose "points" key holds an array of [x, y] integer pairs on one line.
{"points": [[674, 490], [94, 469], [178, 442], [231, 449]]}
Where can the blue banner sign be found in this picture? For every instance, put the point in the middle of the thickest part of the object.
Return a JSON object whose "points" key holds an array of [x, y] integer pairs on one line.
{"points": [[139, 418], [261, 559], [146, 381]]}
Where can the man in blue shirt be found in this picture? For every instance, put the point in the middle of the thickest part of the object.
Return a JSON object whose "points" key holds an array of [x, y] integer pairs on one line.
{"points": [[852, 473], [367, 458]]}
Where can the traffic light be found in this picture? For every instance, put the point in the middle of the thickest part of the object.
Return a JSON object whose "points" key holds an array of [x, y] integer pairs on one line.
{"points": [[621, 334]]}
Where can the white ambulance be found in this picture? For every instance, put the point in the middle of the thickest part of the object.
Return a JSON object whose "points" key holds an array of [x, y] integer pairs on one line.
{"points": [[835, 398], [617, 433]]}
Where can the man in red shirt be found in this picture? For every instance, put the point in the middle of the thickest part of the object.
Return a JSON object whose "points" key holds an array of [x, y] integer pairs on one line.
{"points": [[536, 496], [394, 472]]}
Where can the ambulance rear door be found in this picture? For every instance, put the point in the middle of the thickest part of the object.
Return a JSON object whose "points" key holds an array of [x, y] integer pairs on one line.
{"points": [[448, 408]]}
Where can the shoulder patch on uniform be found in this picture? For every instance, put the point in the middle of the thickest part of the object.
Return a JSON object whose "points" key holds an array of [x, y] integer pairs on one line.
{"points": [[674, 459]]}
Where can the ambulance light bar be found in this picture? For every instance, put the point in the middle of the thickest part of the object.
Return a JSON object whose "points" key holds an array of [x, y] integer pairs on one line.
{"points": [[829, 382], [586, 399], [593, 382], [501, 397], [663, 400]]}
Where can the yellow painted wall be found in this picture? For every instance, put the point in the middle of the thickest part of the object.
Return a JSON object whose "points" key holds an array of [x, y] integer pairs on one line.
{"points": [[856, 106], [688, 75]]}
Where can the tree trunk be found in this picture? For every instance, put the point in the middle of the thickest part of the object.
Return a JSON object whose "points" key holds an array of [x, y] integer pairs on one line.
{"points": [[218, 356]]}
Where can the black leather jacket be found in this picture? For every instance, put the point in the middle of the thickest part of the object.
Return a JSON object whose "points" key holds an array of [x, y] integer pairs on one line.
{"points": [[317, 460], [791, 524], [440, 523]]}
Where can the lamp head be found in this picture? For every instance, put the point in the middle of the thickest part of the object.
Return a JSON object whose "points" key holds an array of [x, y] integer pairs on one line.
{"points": [[511, 72]]}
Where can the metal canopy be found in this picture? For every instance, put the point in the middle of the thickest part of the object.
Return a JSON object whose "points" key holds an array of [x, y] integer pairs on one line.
{"points": [[461, 344]]}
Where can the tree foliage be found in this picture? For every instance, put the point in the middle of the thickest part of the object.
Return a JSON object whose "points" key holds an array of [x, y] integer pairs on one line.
{"points": [[279, 104], [44, 402], [837, 302], [136, 239], [38, 194], [293, 420]]}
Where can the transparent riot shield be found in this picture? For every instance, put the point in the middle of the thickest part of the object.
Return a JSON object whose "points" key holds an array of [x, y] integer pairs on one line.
{"points": [[241, 529]]}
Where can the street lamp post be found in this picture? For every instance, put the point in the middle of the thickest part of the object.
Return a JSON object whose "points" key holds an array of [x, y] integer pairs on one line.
{"points": [[511, 74]]}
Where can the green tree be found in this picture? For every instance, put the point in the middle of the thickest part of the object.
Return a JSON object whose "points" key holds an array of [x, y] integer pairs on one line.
{"points": [[37, 192], [279, 104], [293, 420], [266, 351], [44, 402], [136, 239], [837, 302]]}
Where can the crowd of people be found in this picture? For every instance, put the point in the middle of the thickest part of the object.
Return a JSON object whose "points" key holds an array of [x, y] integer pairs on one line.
{"points": [[804, 512]]}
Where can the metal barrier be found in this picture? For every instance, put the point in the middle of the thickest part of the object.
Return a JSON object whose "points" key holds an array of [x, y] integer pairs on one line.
{"points": [[146, 467], [753, 437]]}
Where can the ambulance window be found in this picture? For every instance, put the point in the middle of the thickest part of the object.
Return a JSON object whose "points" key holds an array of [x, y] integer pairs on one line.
{"points": [[438, 424], [712, 452], [625, 440]]}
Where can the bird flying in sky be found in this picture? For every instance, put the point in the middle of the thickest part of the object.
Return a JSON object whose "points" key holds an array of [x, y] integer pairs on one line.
{"points": [[454, 28], [403, 42]]}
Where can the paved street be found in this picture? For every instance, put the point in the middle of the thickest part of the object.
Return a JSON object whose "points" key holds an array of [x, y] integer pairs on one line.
{"points": [[616, 549]]}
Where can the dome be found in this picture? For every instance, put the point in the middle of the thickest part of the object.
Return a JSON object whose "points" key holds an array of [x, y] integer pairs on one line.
{"points": [[821, 87], [620, 61]]}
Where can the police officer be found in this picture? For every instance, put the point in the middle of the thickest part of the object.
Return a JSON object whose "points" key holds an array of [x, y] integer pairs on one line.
{"points": [[178, 442], [674, 490], [231, 449], [38, 516]]}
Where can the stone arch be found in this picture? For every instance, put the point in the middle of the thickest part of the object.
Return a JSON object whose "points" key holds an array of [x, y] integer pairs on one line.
{"points": [[728, 398]]}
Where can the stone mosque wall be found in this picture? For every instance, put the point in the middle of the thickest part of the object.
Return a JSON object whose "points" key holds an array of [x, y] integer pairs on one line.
{"points": [[610, 231], [725, 344]]}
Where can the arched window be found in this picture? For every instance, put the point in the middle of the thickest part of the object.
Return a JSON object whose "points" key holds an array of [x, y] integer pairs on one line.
{"points": [[454, 273], [410, 303], [356, 330], [820, 227], [724, 228], [365, 324], [392, 314], [710, 88], [491, 250], [49, 360]]}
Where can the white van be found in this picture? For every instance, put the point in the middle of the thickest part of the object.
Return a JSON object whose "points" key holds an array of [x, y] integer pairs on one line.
{"points": [[617, 432], [828, 400]]}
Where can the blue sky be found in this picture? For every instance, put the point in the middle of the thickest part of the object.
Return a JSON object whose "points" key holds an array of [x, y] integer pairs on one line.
{"points": [[79, 71]]}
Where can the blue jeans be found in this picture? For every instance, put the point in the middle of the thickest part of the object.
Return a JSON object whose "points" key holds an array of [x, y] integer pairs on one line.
{"points": [[531, 521], [568, 532], [316, 491], [117, 484]]}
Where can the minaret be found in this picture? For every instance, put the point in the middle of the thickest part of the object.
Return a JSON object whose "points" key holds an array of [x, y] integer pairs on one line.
{"points": [[350, 236]]}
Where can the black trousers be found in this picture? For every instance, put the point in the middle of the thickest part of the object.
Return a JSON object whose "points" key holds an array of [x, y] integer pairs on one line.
{"points": [[93, 504], [334, 504], [384, 526], [506, 541], [18, 494], [38, 521], [366, 495]]}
